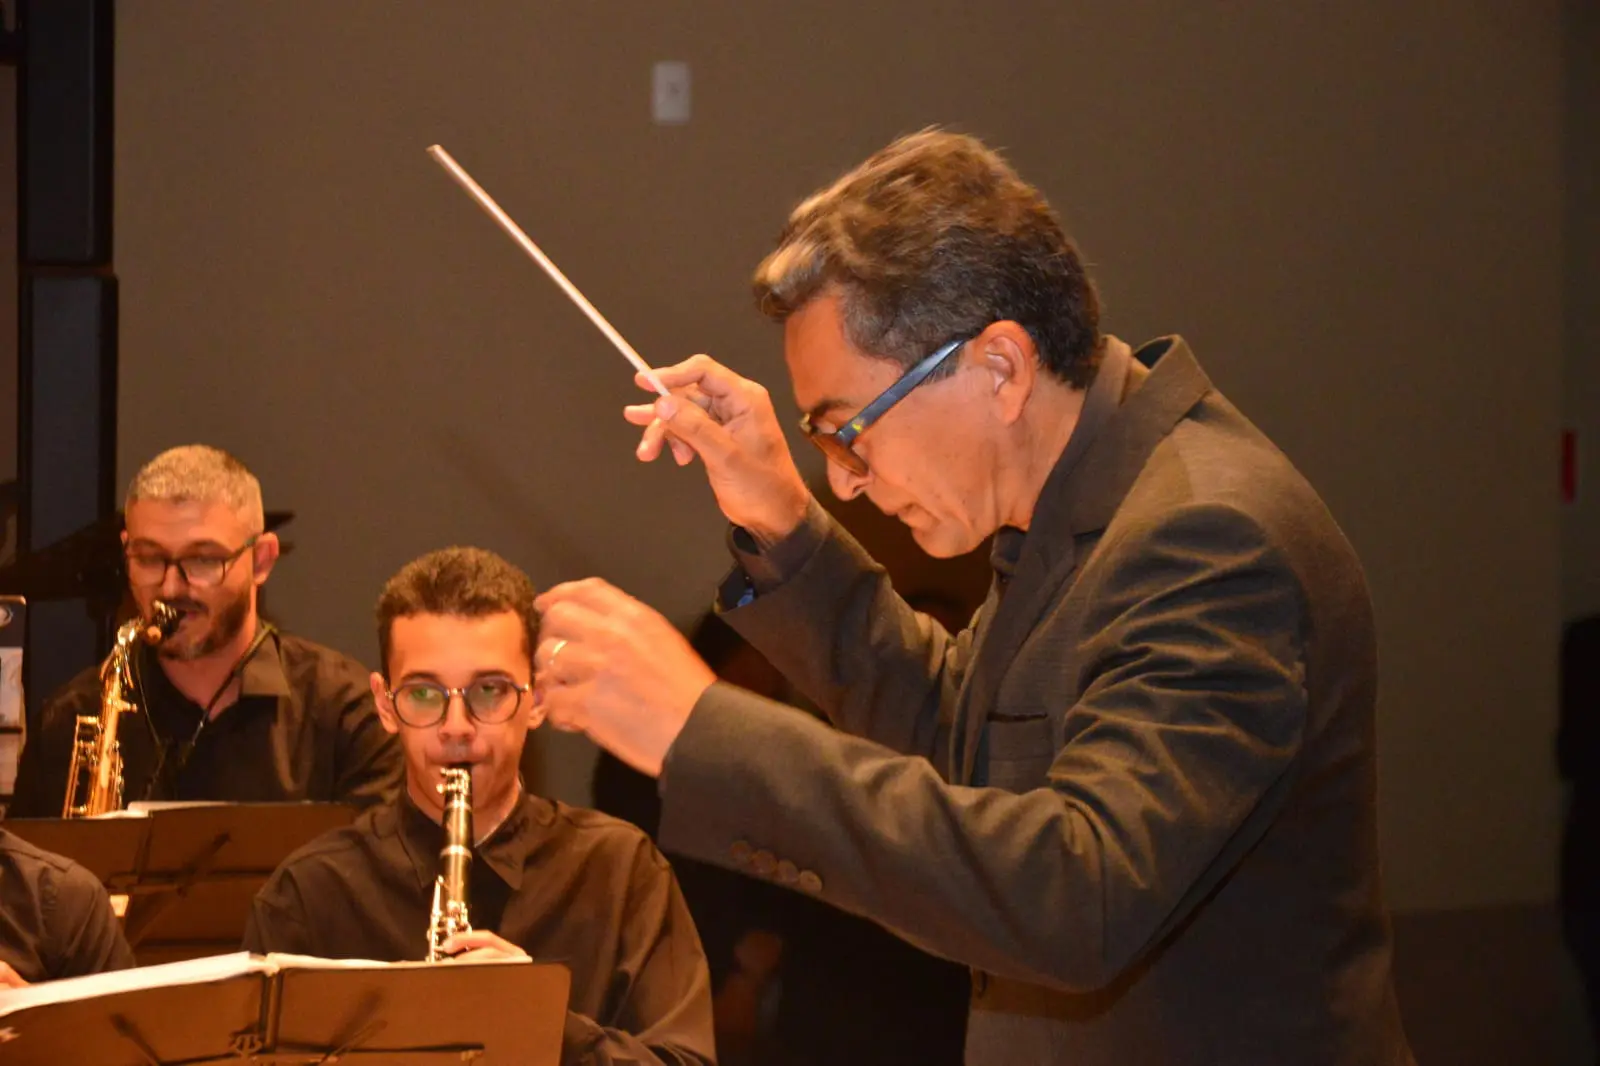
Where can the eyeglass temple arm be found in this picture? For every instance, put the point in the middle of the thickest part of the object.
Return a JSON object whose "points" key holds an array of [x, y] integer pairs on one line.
{"points": [[896, 392]]}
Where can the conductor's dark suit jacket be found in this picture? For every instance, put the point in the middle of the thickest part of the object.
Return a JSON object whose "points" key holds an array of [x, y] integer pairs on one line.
{"points": [[1137, 796]]}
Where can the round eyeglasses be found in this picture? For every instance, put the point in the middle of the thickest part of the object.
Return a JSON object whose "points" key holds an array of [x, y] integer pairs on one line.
{"points": [[490, 700]]}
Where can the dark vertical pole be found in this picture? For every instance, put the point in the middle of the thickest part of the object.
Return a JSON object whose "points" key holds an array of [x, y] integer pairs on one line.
{"points": [[67, 345]]}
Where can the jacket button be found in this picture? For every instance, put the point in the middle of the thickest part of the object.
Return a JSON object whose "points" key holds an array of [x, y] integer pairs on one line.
{"points": [[980, 983], [740, 852], [788, 872], [764, 862], [808, 881]]}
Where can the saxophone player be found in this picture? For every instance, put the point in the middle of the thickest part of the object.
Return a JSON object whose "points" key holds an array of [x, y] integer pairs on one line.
{"points": [[456, 631], [228, 706]]}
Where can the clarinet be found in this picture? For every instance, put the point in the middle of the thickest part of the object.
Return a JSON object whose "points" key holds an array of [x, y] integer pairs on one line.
{"points": [[455, 858]]}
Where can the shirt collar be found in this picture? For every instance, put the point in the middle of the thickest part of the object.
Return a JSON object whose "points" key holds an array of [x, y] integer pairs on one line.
{"points": [[505, 852], [1100, 402], [1005, 551], [263, 674]]}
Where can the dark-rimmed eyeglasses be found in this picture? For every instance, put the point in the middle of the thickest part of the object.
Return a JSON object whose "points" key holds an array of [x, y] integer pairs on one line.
{"points": [[490, 699], [839, 445], [200, 571]]}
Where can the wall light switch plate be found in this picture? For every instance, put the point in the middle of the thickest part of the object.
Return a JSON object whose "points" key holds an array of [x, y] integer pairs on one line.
{"points": [[669, 93]]}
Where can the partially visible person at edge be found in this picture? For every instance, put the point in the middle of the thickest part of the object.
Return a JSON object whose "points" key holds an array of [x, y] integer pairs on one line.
{"points": [[55, 918]]}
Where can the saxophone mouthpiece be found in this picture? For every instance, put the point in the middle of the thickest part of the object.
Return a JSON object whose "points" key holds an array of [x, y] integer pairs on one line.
{"points": [[163, 622]]}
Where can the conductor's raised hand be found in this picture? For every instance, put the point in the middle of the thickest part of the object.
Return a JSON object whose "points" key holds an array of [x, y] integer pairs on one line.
{"points": [[729, 422], [614, 669]]}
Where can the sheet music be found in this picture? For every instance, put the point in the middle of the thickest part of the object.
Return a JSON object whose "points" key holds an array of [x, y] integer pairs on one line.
{"points": [[192, 972], [189, 972], [282, 962], [144, 807]]}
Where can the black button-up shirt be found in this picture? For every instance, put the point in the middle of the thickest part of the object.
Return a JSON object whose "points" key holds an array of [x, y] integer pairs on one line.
{"points": [[304, 728], [564, 884], [55, 918]]}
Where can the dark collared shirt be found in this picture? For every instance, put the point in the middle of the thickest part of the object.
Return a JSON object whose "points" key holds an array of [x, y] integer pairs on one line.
{"points": [[564, 884], [55, 918], [304, 728]]}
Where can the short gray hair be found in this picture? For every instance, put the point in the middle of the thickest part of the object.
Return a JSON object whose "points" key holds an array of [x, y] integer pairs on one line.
{"points": [[201, 473], [930, 240]]}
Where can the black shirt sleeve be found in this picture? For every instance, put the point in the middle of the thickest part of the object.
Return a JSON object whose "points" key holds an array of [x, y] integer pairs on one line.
{"points": [[660, 1009], [81, 932], [277, 920]]}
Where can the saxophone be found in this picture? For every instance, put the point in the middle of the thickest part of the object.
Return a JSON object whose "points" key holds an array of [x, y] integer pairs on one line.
{"points": [[94, 776], [450, 887]]}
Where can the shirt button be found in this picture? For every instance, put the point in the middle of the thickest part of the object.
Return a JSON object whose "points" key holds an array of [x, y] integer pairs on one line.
{"points": [[764, 862], [788, 872], [740, 852], [808, 881]]}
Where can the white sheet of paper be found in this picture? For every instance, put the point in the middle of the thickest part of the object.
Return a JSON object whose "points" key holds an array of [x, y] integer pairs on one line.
{"points": [[188, 972]]}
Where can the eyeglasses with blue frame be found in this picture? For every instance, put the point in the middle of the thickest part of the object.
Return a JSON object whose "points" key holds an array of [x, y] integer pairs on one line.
{"points": [[839, 445]]}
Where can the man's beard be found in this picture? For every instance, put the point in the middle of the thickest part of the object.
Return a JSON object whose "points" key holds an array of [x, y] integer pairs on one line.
{"points": [[228, 620]]}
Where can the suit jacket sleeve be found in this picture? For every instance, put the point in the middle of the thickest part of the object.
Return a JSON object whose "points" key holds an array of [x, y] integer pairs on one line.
{"points": [[660, 1011], [873, 665], [1184, 720]]}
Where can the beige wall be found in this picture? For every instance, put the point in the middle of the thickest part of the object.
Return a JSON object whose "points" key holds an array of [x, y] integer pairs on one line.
{"points": [[1353, 211]]}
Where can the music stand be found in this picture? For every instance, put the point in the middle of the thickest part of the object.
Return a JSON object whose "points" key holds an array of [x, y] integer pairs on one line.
{"points": [[283, 1009], [109, 848], [422, 1014], [189, 871]]}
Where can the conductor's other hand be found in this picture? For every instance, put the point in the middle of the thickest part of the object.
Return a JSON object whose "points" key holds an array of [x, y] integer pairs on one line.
{"points": [[615, 670], [729, 422]]}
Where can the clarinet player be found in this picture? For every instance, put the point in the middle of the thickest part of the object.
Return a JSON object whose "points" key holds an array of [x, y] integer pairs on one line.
{"points": [[456, 630]]}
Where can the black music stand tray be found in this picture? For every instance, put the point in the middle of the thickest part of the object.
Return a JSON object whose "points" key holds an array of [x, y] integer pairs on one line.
{"points": [[291, 1012], [189, 871]]}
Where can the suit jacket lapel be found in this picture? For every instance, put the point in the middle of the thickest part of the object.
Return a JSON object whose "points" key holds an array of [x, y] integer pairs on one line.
{"points": [[1115, 436]]}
